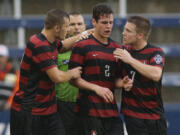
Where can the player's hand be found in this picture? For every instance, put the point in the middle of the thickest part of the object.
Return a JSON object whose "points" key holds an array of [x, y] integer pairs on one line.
{"points": [[85, 34], [127, 83], [123, 55], [105, 93], [75, 72]]}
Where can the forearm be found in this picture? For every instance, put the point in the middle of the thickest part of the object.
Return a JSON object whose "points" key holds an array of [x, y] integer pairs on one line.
{"points": [[103, 92], [69, 42], [58, 76], [83, 84], [152, 72], [63, 77], [119, 83]]}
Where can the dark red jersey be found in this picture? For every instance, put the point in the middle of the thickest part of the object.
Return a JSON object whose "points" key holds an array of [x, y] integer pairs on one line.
{"points": [[99, 67], [144, 101], [36, 92]]}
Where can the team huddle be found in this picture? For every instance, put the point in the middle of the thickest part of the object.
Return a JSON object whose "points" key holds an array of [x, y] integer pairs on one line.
{"points": [[68, 77]]}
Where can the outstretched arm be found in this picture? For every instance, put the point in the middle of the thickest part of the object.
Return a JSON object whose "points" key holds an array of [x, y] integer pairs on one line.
{"points": [[59, 76], [69, 42]]}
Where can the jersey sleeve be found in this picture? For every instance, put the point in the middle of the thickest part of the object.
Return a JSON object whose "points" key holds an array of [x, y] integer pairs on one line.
{"points": [[44, 58], [59, 45], [158, 58], [77, 56]]}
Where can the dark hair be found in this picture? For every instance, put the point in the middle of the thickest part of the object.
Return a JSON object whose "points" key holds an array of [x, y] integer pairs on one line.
{"points": [[55, 17], [101, 9], [143, 25]]}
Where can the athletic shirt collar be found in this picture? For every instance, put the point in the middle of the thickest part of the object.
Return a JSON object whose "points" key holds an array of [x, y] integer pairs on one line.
{"points": [[43, 38], [100, 42], [146, 46]]}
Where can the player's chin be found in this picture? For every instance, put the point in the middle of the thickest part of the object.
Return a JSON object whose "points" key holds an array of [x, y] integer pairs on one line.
{"points": [[106, 35], [61, 37], [125, 42]]}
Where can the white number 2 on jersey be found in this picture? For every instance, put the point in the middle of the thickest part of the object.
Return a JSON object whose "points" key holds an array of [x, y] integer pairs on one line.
{"points": [[107, 71]]}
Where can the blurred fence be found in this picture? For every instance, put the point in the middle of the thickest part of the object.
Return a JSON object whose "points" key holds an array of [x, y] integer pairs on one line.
{"points": [[37, 22]]}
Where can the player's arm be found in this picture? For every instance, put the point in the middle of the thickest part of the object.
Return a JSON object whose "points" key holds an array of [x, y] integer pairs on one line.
{"points": [[125, 83], [103, 92], [59, 76], [152, 72], [69, 42]]}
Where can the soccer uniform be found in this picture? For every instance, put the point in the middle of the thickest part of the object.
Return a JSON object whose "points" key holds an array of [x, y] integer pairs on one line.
{"points": [[34, 108], [94, 115], [143, 105], [66, 95]]}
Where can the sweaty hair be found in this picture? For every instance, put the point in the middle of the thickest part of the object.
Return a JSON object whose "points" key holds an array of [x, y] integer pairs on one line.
{"points": [[100, 10], [55, 17], [143, 25]]}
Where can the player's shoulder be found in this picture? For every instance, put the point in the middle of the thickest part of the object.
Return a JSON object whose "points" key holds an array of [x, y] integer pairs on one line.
{"points": [[38, 40], [85, 42], [155, 47]]}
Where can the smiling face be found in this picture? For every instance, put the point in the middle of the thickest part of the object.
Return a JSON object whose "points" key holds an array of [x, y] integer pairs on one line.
{"points": [[103, 26], [130, 36]]}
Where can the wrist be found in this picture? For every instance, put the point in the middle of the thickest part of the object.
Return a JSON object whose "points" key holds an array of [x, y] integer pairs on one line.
{"points": [[131, 61], [70, 75], [95, 88]]}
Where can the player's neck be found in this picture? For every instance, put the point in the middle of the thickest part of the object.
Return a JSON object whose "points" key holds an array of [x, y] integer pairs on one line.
{"points": [[139, 45], [49, 35], [100, 38]]}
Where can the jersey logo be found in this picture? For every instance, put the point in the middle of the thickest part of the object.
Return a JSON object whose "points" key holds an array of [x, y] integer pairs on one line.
{"points": [[158, 59], [95, 55], [93, 132], [65, 62]]}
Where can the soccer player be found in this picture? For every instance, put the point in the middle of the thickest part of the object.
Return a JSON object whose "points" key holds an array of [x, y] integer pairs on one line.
{"points": [[34, 108], [142, 106], [96, 108], [66, 93]]}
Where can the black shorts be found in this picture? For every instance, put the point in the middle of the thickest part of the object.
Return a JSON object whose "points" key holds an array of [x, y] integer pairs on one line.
{"points": [[97, 126], [136, 126], [67, 114], [23, 123]]}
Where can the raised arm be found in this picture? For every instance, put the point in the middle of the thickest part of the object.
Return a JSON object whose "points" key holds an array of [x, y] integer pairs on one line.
{"points": [[69, 42]]}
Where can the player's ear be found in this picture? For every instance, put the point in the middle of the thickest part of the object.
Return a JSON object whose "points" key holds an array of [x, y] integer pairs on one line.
{"points": [[57, 28], [140, 36], [94, 22]]}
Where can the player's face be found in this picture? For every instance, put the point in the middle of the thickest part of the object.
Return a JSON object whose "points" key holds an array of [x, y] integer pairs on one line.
{"points": [[61, 34], [130, 36], [103, 27], [76, 25]]}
